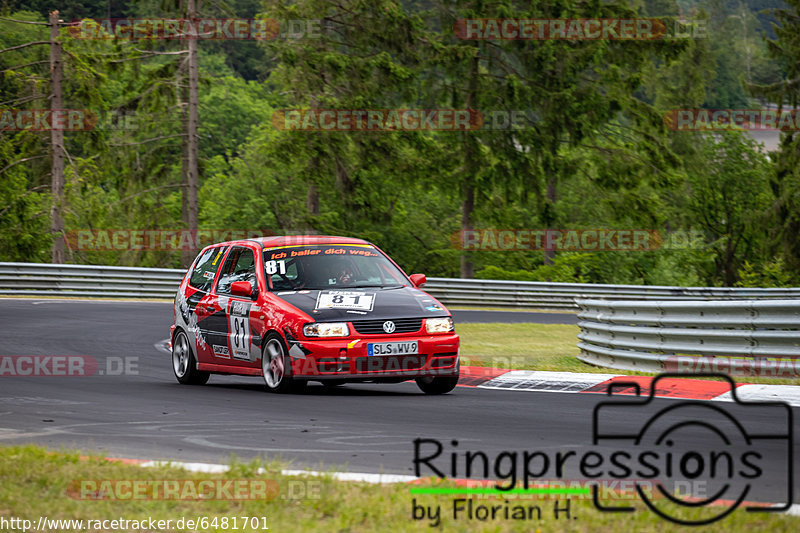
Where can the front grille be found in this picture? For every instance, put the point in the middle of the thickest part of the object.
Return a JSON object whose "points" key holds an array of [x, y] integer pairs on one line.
{"points": [[396, 363], [375, 327]]}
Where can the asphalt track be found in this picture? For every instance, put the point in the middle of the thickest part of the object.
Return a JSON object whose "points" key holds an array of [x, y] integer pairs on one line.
{"points": [[146, 414]]}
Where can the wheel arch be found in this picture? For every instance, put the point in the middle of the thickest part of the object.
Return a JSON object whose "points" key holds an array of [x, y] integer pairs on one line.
{"points": [[181, 329], [269, 331]]}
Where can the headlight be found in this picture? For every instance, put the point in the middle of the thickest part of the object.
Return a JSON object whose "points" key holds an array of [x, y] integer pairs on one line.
{"points": [[326, 329], [439, 325]]}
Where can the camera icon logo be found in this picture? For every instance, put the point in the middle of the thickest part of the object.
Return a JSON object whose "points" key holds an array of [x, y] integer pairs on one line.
{"points": [[728, 454]]}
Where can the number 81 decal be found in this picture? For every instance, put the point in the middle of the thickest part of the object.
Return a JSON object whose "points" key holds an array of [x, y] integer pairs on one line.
{"points": [[275, 267], [362, 301], [239, 330]]}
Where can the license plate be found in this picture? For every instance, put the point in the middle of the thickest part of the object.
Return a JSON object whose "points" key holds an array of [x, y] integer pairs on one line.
{"points": [[362, 301], [393, 348]]}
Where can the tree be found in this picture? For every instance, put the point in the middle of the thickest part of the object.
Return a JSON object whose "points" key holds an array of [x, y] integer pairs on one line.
{"points": [[728, 197], [785, 184], [361, 59], [57, 152], [574, 89]]}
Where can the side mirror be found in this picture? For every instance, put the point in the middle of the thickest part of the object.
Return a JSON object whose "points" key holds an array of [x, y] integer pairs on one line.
{"points": [[242, 288], [418, 280]]}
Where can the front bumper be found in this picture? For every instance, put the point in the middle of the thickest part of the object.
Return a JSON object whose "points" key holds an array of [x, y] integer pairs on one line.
{"points": [[348, 358]]}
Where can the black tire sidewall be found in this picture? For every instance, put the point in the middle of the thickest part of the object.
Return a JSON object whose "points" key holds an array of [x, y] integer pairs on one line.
{"points": [[192, 375], [439, 385], [288, 383]]}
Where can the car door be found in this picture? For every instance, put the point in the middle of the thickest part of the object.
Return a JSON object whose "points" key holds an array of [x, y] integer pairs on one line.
{"points": [[201, 304], [243, 346]]}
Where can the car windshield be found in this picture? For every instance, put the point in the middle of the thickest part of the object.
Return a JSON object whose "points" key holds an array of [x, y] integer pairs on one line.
{"points": [[328, 266]]}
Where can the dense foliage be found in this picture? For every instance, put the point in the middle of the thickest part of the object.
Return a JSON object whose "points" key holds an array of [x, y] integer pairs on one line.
{"points": [[593, 151]]}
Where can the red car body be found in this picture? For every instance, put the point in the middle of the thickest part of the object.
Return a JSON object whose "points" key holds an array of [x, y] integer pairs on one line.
{"points": [[258, 307]]}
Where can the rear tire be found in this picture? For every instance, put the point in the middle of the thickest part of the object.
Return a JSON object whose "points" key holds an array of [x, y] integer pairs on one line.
{"points": [[184, 364], [276, 367], [438, 385]]}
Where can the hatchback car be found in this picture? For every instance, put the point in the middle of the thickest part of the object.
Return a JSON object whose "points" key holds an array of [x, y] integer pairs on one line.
{"points": [[303, 308]]}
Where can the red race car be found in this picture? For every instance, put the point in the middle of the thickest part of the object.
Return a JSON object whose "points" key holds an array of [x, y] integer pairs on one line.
{"points": [[294, 309]]}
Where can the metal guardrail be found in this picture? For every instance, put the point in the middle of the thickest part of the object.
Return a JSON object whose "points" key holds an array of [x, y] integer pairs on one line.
{"points": [[537, 294], [44, 279], [652, 336]]}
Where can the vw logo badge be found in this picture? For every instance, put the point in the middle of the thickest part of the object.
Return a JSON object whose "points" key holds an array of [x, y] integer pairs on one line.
{"points": [[388, 326]]}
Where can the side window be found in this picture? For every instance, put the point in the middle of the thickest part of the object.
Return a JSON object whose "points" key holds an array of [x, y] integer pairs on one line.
{"points": [[239, 266], [205, 268]]}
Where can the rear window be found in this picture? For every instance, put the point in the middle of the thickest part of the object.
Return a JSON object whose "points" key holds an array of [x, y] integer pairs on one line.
{"points": [[205, 268]]}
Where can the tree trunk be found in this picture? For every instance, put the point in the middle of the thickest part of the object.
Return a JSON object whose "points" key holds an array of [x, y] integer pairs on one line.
{"points": [[56, 146], [467, 207], [182, 95], [191, 179], [550, 202], [183, 98], [471, 170], [312, 200]]}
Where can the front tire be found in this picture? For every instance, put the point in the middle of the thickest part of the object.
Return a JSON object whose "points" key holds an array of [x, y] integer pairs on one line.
{"points": [[276, 367], [184, 365], [439, 385]]}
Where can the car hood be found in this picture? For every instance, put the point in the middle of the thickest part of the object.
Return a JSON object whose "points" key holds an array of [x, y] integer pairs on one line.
{"points": [[372, 303]]}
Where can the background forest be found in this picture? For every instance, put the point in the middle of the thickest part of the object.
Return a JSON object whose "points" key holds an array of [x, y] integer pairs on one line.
{"points": [[598, 155]]}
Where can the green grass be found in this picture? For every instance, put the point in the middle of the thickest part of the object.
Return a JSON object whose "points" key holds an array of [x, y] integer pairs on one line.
{"points": [[36, 483], [548, 347], [523, 346], [560, 311]]}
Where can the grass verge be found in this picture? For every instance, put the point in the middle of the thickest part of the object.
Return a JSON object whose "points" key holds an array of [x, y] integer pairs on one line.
{"points": [[38, 483]]}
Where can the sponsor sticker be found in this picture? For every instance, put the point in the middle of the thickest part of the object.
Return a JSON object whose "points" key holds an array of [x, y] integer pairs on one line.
{"points": [[222, 351]]}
